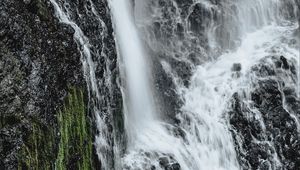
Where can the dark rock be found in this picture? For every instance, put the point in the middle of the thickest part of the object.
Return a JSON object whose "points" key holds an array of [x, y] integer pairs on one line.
{"points": [[285, 63], [168, 100], [168, 163], [39, 60], [236, 67], [276, 130], [67, 28], [27, 1], [175, 166], [164, 161], [200, 18]]}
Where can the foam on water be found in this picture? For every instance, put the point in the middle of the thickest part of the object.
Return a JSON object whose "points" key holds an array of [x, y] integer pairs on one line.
{"points": [[205, 141], [213, 85], [202, 140]]}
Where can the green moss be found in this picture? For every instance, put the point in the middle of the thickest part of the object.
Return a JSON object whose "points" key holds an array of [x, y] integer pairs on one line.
{"points": [[69, 146], [37, 152], [75, 146]]}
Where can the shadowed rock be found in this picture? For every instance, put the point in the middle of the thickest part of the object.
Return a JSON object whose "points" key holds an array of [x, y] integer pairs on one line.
{"points": [[266, 124]]}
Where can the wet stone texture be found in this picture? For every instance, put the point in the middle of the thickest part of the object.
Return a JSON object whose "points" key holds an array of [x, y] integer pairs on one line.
{"points": [[155, 161], [177, 33], [264, 124], [176, 36], [94, 19], [38, 60]]}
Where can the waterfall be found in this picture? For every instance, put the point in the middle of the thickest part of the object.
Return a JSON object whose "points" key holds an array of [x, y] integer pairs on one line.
{"points": [[208, 141], [239, 36], [212, 56], [141, 110], [103, 146]]}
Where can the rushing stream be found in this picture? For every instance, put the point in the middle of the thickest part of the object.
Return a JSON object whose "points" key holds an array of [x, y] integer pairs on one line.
{"points": [[224, 45], [202, 140], [141, 111]]}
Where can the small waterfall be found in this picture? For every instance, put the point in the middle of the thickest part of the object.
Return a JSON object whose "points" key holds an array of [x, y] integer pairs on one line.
{"points": [[103, 143]]}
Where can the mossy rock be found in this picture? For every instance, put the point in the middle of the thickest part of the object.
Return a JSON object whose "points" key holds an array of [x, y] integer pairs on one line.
{"points": [[68, 146], [75, 147], [38, 150]]}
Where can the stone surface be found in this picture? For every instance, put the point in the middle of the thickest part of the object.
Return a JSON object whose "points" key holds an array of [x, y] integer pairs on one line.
{"points": [[39, 61], [265, 127]]}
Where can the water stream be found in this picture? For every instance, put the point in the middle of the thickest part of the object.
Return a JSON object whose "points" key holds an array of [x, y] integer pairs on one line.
{"points": [[203, 139], [225, 41]]}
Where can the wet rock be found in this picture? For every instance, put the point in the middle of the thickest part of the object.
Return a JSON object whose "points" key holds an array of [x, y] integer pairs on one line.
{"points": [[263, 70], [200, 18], [178, 132], [27, 1], [164, 161], [236, 67], [39, 60], [266, 125], [67, 28], [175, 166], [284, 61], [168, 163], [168, 100], [179, 30]]}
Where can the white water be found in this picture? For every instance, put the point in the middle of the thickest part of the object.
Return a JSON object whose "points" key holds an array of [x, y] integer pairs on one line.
{"points": [[207, 143], [140, 111], [213, 85], [102, 146]]}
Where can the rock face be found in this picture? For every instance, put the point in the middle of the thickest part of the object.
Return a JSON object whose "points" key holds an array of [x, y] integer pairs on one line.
{"points": [[265, 127], [39, 63], [93, 18], [298, 2]]}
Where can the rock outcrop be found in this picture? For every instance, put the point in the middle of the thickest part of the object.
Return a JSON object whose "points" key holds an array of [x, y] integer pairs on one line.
{"points": [[39, 60], [42, 86], [265, 122]]}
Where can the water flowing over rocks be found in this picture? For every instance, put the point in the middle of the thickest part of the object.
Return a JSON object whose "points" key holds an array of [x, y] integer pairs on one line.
{"points": [[94, 36], [150, 84]]}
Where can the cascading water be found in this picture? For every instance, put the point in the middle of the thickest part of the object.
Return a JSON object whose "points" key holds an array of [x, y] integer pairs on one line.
{"points": [[90, 56], [140, 104], [246, 31], [213, 51], [208, 141]]}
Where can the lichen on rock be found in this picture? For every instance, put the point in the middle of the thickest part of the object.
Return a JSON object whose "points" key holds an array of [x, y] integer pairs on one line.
{"points": [[75, 146]]}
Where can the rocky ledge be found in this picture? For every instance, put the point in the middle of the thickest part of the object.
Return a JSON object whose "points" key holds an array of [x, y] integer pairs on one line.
{"points": [[264, 121]]}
